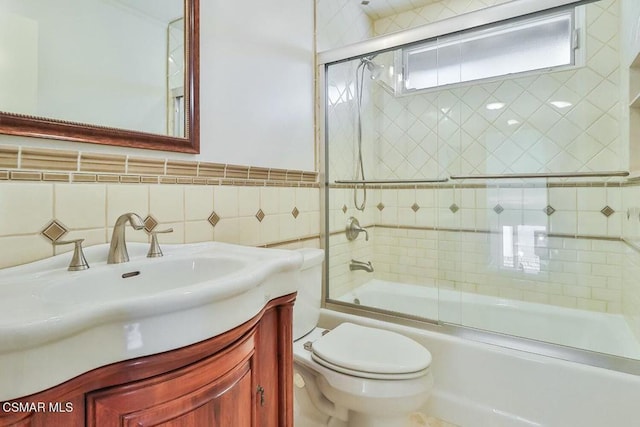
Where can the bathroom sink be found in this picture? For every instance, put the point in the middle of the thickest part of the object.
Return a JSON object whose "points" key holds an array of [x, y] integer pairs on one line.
{"points": [[56, 324], [141, 279]]}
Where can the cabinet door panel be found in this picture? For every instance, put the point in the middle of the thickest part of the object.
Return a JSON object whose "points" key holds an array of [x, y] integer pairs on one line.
{"points": [[267, 401], [226, 408], [216, 391]]}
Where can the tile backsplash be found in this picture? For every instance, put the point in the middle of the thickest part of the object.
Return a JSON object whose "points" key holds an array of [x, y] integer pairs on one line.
{"points": [[570, 240], [85, 193]]}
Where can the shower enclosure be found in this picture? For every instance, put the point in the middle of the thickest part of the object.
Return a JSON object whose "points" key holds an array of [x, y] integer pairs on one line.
{"points": [[487, 159]]}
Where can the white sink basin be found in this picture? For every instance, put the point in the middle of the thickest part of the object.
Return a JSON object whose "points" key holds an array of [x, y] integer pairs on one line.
{"points": [[140, 279], [56, 324]]}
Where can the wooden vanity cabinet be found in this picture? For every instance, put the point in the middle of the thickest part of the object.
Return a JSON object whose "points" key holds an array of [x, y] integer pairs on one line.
{"points": [[243, 378]]}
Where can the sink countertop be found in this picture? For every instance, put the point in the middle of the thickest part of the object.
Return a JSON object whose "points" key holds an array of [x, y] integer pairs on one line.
{"points": [[56, 324]]}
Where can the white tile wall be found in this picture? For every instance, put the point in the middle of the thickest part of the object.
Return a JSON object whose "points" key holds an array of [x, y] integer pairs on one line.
{"points": [[570, 268], [430, 12], [341, 253], [470, 262], [90, 210], [339, 23], [25, 208]]}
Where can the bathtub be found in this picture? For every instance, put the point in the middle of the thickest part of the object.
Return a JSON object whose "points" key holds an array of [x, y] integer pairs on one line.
{"points": [[483, 385], [588, 330]]}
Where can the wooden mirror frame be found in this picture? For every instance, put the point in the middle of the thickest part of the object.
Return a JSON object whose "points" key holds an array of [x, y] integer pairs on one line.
{"points": [[40, 127]]}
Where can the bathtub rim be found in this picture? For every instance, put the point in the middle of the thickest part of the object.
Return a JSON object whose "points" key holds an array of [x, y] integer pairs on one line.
{"points": [[542, 348]]}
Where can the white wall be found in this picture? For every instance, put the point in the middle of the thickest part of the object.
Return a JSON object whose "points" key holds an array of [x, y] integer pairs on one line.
{"points": [[256, 82]]}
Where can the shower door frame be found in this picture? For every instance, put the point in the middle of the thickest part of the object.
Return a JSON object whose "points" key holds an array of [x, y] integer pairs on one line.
{"points": [[393, 41]]}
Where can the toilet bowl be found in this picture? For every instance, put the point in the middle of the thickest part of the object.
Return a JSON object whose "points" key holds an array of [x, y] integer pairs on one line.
{"points": [[353, 376]]}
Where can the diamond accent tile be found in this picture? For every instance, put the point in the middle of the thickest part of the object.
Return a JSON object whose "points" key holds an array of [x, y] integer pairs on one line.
{"points": [[54, 230], [344, 208], [607, 211], [498, 209], [213, 219], [380, 206], [260, 215], [415, 207], [150, 223], [295, 212], [454, 208], [549, 210]]}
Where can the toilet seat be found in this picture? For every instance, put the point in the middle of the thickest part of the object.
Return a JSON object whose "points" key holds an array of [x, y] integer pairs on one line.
{"points": [[371, 353]]}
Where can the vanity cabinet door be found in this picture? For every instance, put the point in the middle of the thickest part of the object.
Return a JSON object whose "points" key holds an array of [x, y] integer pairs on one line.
{"points": [[267, 393], [215, 392], [274, 368]]}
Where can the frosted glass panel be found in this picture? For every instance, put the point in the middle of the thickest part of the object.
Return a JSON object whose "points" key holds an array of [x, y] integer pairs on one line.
{"points": [[532, 44], [422, 67], [522, 48], [448, 64]]}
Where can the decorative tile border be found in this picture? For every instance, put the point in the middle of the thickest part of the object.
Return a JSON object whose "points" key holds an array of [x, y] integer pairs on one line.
{"points": [[9, 157], [103, 163], [57, 160], [36, 164]]}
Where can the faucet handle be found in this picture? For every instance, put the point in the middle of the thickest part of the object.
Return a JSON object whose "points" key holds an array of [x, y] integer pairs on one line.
{"points": [[353, 228], [78, 261], [154, 249]]}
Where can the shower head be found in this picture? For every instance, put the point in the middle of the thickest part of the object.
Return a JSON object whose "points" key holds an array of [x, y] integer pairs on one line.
{"points": [[375, 70]]}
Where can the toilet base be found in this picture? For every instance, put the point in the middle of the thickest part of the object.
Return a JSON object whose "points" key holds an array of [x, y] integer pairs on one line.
{"points": [[315, 405]]}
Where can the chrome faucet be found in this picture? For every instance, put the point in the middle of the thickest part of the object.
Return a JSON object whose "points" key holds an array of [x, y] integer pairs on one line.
{"points": [[361, 265], [118, 249]]}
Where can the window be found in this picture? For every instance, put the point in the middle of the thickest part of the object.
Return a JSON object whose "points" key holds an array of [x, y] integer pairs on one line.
{"points": [[538, 43]]}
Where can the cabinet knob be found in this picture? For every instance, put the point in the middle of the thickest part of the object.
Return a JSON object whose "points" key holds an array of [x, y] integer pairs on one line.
{"points": [[260, 390]]}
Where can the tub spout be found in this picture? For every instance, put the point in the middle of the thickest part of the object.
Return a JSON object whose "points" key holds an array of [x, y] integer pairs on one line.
{"points": [[361, 265]]}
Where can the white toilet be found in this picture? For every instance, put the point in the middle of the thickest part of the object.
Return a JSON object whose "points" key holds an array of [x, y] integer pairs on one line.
{"points": [[353, 376]]}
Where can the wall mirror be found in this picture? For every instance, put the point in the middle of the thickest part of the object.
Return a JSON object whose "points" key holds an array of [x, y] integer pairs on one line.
{"points": [[115, 72]]}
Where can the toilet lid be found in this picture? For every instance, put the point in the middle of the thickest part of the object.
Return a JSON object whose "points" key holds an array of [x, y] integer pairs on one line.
{"points": [[371, 353]]}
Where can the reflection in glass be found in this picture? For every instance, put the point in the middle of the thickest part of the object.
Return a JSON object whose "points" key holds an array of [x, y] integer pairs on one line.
{"points": [[175, 78], [95, 62]]}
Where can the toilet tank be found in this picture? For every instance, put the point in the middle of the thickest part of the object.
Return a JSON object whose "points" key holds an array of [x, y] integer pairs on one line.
{"points": [[306, 310]]}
